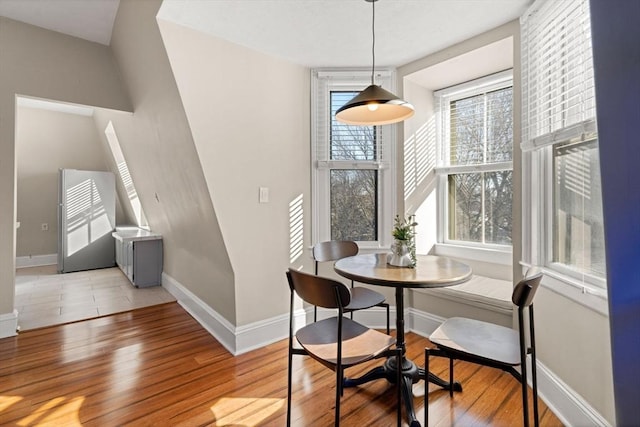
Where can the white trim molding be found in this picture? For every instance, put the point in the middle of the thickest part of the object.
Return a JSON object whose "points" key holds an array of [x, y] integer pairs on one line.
{"points": [[36, 260], [569, 406], [374, 317], [213, 322], [237, 340], [9, 324]]}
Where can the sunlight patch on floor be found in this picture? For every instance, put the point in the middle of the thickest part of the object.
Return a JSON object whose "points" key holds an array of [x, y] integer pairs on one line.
{"points": [[245, 411], [56, 411], [8, 401]]}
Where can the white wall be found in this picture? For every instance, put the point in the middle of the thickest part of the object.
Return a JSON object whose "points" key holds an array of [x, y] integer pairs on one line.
{"points": [[249, 114]]}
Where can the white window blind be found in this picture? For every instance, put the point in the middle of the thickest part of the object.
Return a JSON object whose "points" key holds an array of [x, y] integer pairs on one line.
{"points": [[340, 144], [557, 72]]}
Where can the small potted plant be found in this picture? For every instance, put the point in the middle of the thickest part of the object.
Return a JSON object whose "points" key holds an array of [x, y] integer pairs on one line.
{"points": [[403, 249]]}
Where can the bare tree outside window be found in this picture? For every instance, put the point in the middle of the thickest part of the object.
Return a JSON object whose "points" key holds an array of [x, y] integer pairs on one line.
{"points": [[354, 183], [481, 133]]}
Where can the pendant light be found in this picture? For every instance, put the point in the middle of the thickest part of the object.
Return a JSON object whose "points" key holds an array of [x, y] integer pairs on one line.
{"points": [[374, 105]]}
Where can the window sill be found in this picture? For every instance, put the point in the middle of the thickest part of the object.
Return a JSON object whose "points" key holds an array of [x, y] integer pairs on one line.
{"points": [[482, 292], [495, 256], [591, 298]]}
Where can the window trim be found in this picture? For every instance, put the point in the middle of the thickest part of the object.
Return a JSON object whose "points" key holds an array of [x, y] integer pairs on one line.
{"points": [[537, 146], [342, 79], [443, 97]]}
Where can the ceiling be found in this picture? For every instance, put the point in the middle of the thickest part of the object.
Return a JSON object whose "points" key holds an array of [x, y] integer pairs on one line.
{"points": [[313, 33], [88, 19]]}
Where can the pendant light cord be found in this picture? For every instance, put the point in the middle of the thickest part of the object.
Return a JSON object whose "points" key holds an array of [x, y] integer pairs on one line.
{"points": [[373, 38]]}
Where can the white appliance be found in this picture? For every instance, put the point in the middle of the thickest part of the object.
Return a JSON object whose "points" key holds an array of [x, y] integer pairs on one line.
{"points": [[86, 219]]}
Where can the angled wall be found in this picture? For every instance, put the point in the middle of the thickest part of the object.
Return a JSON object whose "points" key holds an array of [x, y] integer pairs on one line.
{"points": [[250, 117], [163, 162]]}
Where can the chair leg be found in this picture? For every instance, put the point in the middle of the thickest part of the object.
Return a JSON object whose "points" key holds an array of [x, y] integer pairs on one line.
{"points": [[289, 375], [523, 369], [534, 376], [387, 307], [338, 394], [450, 377], [399, 385], [525, 402], [315, 313], [534, 384], [426, 386]]}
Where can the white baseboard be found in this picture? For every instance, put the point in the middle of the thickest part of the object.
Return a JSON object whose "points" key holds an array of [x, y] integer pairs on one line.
{"points": [[421, 322], [214, 323], [259, 334], [375, 317], [9, 324], [36, 260], [569, 406], [236, 340]]}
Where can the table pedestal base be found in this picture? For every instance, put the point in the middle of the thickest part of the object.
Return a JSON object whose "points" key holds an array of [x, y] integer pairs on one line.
{"points": [[411, 374]]}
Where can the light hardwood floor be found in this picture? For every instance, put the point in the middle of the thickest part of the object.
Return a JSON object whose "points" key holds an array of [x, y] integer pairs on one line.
{"points": [[157, 366], [45, 298]]}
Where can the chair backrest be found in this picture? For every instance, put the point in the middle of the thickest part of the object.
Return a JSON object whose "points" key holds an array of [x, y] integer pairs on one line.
{"points": [[525, 290], [319, 291], [334, 250]]}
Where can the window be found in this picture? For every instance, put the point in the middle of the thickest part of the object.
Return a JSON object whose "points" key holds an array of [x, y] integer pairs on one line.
{"points": [[353, 190], [561, 168], [578, 231], [475, 161], [125, 176], [352, 166]]}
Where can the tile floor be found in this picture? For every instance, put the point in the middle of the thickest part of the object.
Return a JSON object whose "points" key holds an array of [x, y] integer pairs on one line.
{"points": [[45, 298]]}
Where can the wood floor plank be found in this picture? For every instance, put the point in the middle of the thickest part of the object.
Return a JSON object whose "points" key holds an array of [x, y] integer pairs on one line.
{"points": [[158, 367]]}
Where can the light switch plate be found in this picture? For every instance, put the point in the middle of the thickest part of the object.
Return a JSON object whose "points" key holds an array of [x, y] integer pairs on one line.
{"points": [[264, 194]]}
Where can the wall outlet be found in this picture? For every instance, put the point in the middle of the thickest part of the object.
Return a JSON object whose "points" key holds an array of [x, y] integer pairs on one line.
{"points": [[44, 226]]}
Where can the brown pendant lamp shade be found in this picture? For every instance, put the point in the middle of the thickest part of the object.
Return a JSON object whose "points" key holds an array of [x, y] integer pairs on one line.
{"points": [[374, 105]]}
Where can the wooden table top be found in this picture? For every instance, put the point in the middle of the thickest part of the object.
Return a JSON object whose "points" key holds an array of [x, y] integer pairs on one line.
{"points": [[430, 272]]}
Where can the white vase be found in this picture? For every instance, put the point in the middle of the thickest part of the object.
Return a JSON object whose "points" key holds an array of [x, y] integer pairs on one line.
{"points": [[400, 256]]}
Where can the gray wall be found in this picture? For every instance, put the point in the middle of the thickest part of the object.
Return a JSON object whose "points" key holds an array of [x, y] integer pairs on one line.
{"points": [[47, 141], [157, 143]]}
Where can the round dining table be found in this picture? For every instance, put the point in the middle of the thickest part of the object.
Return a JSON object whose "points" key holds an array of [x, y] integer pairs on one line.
{"points": [[430, 272]]}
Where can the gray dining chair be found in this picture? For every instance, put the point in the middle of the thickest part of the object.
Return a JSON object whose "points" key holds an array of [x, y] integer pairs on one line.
{"points": [[492, 345], [361, 298], [337, 342]]}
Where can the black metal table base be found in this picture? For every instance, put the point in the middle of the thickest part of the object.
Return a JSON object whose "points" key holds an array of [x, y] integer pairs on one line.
{"points": [[411, 374]]}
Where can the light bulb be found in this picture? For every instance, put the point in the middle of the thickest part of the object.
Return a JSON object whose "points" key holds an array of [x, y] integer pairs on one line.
{"points": [[372, 106]]}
